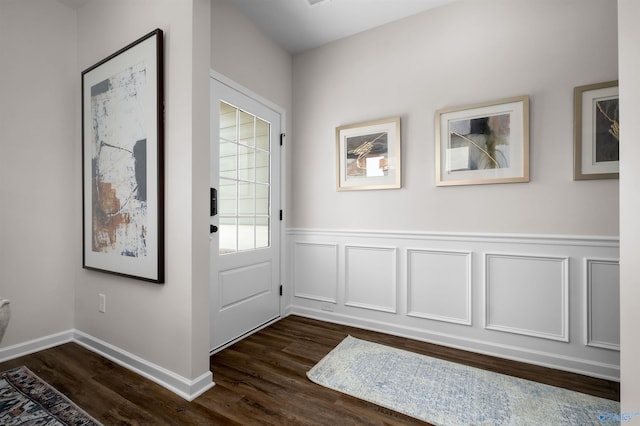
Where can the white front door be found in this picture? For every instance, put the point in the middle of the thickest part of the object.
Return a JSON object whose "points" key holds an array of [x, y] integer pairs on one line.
{"points": [[245, 232]]}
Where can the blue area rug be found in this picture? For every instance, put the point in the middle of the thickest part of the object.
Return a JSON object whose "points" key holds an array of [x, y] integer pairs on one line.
{"points": [[25, 399], [446, 393]]}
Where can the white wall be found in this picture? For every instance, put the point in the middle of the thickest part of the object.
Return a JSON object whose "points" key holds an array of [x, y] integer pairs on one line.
{"points": [[242, 52], [466, 52], [39, 176], [160, 330], [527, 271], [545, 300], [629, 37], [165, 325], [333, 85]]}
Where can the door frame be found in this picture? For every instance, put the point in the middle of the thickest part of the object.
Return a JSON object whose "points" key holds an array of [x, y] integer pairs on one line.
{"points": [[214, 75]]}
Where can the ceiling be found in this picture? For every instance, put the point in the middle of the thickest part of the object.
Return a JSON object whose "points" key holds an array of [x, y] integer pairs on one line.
{"points": [[298, 26]]}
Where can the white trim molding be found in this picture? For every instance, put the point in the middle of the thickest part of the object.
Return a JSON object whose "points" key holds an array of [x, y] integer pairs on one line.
{"points": [[315, 271], [573, 364], [603, 303], [535, 295], [431, 281], [528, 239], [370, 277], [185, 388], [36, 345], [515, 296]]}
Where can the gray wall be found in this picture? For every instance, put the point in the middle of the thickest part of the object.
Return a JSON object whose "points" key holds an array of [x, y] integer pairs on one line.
{"points": [[526, 271], [551, 52], [242, 52], [39, 177], [466, 52], [45, 47], [163, 324]]}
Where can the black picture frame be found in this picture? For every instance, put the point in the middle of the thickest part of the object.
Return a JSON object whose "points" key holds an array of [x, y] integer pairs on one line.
{"points": [[123, 162]]}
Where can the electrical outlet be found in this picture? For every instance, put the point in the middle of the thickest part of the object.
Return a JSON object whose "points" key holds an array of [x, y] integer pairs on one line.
{"points": [[102, 303]]}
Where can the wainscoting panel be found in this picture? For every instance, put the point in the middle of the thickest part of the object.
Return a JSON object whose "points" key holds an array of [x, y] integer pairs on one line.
{"points": [[316, 271], [530, 298], [370, 278], [527, 295], [603, 304], [439, 285]]}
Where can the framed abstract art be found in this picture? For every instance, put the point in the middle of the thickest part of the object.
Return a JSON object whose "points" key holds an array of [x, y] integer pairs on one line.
{"points": [[483, 143], [596, 132], [369, 155], [122, 162]]}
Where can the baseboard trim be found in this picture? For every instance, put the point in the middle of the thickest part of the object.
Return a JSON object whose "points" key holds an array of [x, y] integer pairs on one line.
{"points": [[543, 359], [187, 389], [36, 345], [181, 386]]}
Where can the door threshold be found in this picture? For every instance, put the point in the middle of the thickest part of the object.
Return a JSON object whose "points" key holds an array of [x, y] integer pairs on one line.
{"points": [[247, 334]]}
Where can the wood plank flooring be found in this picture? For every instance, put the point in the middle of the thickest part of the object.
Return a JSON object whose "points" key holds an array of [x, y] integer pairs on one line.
{"points": [[259, 381]]}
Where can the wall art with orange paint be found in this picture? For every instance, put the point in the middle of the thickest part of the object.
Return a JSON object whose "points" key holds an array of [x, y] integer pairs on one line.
{"points": [[123, 162]]}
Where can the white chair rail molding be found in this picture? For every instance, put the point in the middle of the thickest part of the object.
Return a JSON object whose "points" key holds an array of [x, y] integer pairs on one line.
{"points": [[544, 299]]}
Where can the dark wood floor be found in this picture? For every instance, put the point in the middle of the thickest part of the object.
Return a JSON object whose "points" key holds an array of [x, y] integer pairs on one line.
{"points": [[260, 380]]}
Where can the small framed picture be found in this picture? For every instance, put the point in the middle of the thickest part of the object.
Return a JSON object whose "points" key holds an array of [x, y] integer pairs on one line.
{"points": [[596, 133], [369, 155], [483, 143]]}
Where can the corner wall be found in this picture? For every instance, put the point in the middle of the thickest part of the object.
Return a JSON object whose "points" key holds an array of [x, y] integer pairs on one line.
{"points": [[39, 176], [241, 52], [165, 325], [160, 331]]}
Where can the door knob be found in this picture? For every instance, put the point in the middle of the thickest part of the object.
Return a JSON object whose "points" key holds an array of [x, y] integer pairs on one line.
{"points": [[212, 229]]}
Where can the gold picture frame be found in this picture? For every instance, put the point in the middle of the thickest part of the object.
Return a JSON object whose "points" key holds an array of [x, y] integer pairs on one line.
{"points": [[483, 143], [369, 155], [596, 138]]}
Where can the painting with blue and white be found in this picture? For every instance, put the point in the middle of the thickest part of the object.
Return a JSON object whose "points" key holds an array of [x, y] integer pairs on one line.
{"points": [[119, 164]]}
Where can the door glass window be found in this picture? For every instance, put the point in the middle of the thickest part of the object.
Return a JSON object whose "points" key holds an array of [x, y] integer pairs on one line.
{"points": [[244, 195]]}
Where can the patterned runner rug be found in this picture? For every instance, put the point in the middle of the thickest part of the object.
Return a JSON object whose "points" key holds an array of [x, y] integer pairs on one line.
{"points": [[445, 393], [25, 399]]}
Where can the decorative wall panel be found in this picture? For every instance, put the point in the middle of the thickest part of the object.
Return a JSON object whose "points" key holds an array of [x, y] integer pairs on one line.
{"points": [[527, 295], [603, 303], [316, 271], [439, 285], [371, 278]]}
